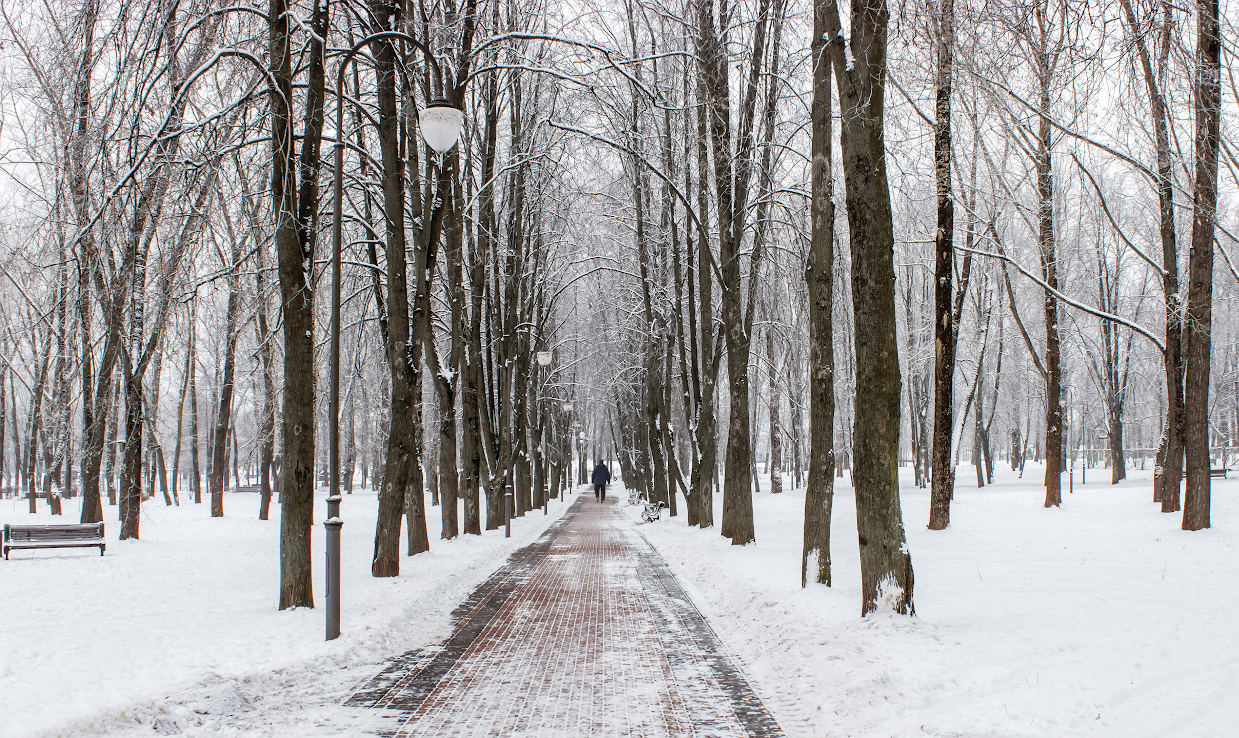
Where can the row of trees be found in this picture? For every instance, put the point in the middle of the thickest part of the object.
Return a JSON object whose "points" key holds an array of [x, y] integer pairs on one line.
{"points": [[646, 191]]}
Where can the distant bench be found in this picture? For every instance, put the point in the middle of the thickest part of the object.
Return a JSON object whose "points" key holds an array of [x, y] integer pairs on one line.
{"points": [[87, 535], [1217, 473]]}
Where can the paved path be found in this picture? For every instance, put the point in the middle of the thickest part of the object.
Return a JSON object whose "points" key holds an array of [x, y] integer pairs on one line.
{"points": [[585, 632]]}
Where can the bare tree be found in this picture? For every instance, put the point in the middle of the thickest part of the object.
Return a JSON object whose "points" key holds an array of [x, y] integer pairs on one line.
{"points": [[1198, 316], [886, 564]]}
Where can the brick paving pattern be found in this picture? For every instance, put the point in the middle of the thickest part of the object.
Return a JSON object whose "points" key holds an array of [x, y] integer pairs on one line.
{"points": [[585, 632]]}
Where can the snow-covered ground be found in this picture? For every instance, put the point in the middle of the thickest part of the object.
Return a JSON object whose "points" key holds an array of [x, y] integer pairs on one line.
{"points": [[1101, 618], [179, 632]]}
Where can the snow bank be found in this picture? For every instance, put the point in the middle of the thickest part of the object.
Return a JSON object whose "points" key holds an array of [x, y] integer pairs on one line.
{"points": [[1101, 618], [179, 632]]}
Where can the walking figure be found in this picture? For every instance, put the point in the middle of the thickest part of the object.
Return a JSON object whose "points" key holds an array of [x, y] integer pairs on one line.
{"points": [[601, 476]]}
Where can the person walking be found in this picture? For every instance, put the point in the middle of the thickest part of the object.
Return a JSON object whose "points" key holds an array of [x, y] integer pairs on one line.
{"points": [[601, 476]]}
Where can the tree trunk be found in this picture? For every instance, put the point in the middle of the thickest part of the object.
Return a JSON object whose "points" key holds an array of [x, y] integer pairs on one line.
{"points": [[402, 449], [819, 277], [295, 235], [36, 414], [1199, 314], [4, 409], [776, 430], [946, 330], [223, 417], [266, 422], [195, 453], [1049, 271], [886, 565], [1168, 467], [707, 425]]}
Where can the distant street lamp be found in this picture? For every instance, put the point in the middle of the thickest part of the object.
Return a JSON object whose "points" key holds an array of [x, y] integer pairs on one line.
{"points": [[440, 124], [567, 407], [544, 358]]}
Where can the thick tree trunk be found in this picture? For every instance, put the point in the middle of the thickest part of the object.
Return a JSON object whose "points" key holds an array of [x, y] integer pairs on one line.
{"points": [[131, 460], [886, 565], [946, 331], [448, 473], [1168, 466], [266, 422], [731, 191], [819, 277], [295, 235], [402, 449], [1199, 313], [706, 473], [1049, 272], [4, 409]]}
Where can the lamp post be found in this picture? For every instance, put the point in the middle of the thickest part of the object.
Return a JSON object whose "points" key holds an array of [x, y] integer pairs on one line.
{"points": [[440, 124], [544, 360], [569, 471]]}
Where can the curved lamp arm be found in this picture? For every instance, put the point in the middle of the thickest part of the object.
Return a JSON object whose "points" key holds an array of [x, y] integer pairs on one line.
{"points": [[348, 57]]}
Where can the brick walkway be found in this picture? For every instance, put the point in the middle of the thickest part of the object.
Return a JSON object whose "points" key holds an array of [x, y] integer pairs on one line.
{"points": [[585, 632]]}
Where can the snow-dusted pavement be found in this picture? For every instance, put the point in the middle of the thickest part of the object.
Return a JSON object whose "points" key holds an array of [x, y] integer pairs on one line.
{"points": [[178, 633], [584, 633]]}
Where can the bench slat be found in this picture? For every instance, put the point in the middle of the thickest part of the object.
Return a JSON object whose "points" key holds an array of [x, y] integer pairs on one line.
{"points": [[53, 535], [48, 544]]}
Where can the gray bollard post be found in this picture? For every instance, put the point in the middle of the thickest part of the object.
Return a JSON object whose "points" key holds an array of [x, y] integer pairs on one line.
{"points": [[333, 506], [333, 525], [507, 518]]}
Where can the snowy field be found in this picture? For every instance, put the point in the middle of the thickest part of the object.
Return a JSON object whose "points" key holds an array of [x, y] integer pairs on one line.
{"points": [[1098, 619], [179, 632], [1101, 618]]}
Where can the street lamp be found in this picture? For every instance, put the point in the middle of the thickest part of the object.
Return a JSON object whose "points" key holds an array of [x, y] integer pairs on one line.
{"points": [[544, 358], [440, 124], [567, 407]]}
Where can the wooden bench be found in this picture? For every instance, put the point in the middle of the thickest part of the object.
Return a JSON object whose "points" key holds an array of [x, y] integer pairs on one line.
{"points": [[87, 535], [1217, 473]]}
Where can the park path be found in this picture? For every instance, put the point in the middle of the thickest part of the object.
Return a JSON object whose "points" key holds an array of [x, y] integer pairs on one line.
{"points": [[585, 632]]}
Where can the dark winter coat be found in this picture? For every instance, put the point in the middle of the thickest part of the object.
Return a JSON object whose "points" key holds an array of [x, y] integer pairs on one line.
{"points": [[602, 475]]}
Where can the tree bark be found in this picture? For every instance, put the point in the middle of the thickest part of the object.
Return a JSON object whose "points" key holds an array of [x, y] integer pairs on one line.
{"points": [[1199, 313], [1048, 250], [223, 417], [946, 330], [1168, 467], [776, 430], [886, 565], [295, 236], [819, 278], [401, 442]]}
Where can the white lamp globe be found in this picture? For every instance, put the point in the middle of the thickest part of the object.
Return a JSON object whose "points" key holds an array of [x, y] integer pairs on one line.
{"points": [[567, 407], [544, 358], [441, 123]]}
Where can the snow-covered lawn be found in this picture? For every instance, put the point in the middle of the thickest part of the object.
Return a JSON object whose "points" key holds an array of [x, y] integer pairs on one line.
{"points": [[180, 632], [1101, 618]]}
